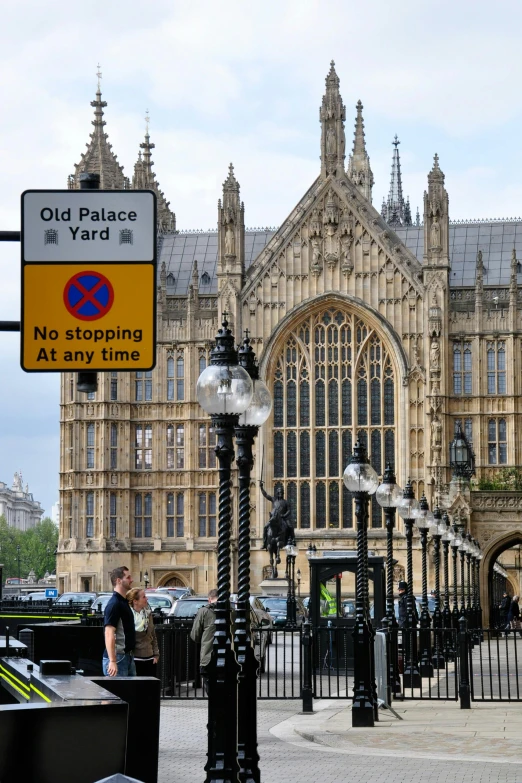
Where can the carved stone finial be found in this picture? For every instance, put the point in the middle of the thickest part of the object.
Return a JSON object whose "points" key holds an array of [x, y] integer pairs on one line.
{"points": [[332, 115], [359, 170]]}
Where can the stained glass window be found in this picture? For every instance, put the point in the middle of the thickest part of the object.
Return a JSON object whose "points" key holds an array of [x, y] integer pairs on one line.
{"points": [[320, 454], [292, 500], [291, 454], [320, 504], [314, 425]]}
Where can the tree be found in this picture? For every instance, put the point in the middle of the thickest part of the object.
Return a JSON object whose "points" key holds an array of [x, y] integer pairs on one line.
{"points": [[37, 548]]}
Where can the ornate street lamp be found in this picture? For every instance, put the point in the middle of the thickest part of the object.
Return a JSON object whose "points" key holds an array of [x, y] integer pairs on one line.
{"points": [[362, 481], [455, 543], [447, 538], [479, 606], [224, 390], [291, 608], [437, 530], [462, 552], [462, 458], [388, 496], [424, 522], [469, 609], [408, 509], [299, 583], [246, 431]]}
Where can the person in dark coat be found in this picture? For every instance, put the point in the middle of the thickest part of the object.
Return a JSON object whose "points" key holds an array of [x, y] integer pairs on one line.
{"points": [[403, 604], [504, 609], [513, 617]]}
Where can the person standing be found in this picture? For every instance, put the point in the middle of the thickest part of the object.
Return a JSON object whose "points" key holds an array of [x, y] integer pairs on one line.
{"points": [[513, 617], [146, 651], [403, 604], [203, 629], [118, 621], [504, 609]]}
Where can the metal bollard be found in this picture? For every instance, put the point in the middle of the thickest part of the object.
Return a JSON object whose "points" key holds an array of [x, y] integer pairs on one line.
{"points": [[7, 641], [307, 692], [464, 683]]}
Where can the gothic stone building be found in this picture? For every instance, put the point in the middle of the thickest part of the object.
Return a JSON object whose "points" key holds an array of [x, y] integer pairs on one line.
{"points": [[367, 325]]}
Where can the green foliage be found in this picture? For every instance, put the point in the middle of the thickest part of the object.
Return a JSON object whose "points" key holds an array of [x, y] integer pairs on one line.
{"points": [[505, 480], [37, 547]]}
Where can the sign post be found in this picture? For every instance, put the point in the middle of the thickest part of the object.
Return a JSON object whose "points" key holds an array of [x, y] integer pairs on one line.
{"points": [[88, 280]]}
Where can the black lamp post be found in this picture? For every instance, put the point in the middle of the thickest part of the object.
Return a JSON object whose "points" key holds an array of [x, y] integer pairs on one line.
{"points": [[469, 608], [388, 496], [437, 531], [362, 481], [246, 431], [299, 583], [462, 553], [455, 543], [291, 608], [224, 390], [479, 607], [146, 579], [447, 537], [462, 458], [19, 577], [408, 509], [424, 522]]}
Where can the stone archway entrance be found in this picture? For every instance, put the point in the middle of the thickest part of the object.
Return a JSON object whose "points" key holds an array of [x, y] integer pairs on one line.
{"points": [[172, 579], [493, 550]]}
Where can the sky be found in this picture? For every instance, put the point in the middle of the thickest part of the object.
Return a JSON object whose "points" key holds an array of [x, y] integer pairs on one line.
{"points": [[242, 82]]}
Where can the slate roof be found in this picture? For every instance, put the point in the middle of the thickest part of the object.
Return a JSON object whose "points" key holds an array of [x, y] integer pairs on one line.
{"points": [[494, 238]]}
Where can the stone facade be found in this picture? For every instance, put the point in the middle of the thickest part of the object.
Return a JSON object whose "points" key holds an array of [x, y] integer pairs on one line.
{"points": [[361, 330], [18, 506]]}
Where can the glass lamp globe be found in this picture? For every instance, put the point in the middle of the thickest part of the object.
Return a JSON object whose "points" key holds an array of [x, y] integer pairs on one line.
{"points": [[388, 495], [408, 508], [447, 534], [259, 409], [291, 550], [360, 477], [223, 389]]}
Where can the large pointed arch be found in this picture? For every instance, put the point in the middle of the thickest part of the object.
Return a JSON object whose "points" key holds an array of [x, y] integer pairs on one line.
{"points": [[492, 551], [337, 370]]}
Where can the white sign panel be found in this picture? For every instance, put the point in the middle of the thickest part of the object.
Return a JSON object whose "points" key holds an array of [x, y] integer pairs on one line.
{"points": [[83, 225]]}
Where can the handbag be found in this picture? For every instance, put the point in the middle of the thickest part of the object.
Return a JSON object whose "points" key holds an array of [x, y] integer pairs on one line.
{"points": [[515, 624]]}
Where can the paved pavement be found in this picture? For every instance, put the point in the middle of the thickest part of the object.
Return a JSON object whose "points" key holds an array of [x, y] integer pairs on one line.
{"points": [[434, 743]]}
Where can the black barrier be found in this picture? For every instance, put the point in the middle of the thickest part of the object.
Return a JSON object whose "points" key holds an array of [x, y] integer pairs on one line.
{"points": [[142, 694], [495, 672], [82, 644], [42, 742]]}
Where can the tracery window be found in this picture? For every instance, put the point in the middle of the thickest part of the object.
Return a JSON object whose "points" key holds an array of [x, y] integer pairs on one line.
{"points": [[143, 386], [175, 447], [462, 368], [175, 514], [496, 356], [176, 378], [143, 515], [497, 442], [334, 382]]}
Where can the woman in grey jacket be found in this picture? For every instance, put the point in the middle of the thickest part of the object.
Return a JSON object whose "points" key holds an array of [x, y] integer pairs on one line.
{"points": [[146, 652]]}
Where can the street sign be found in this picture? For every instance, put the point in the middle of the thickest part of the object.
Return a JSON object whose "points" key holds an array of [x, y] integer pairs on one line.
{"points": [[51, 592], [88, 225], [88, 309]]}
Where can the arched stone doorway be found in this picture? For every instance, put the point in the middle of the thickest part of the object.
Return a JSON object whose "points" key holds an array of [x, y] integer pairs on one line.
{"points": [[492, 551], [172, 579]]}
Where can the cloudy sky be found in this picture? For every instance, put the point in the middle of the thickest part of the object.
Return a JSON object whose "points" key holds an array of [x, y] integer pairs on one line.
{"points": [[242, 82]]}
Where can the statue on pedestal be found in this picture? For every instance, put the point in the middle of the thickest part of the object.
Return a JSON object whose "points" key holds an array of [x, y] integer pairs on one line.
{"points": [[278, 530]]}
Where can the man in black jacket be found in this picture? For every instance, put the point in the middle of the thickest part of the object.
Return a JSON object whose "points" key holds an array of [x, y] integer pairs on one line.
{"points": [[504, 609], [403, 604]]}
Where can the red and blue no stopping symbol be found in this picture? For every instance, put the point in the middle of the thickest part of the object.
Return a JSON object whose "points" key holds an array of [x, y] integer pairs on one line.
{"points": [[88, 296]]}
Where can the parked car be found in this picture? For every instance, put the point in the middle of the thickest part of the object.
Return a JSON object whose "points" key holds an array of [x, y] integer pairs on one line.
{"points": [[162, 601], [186, 609], [83, 600], [276, 608], [263, 620], [100, 602], [38, 596], [176, 592]]}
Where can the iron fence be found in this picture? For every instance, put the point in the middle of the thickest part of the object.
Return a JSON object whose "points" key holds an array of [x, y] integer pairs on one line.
{"points": [[494, 659], [428, 663]]}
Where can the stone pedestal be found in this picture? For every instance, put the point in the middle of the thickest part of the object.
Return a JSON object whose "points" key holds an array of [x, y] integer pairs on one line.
{"points": [[277, 586]]}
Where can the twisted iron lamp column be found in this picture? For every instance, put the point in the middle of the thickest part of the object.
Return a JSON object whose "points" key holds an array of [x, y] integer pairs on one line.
{"points": [[223, 668], [425, 663], [247, 752], [393, 626], [462, 554], [362, 706], [449, 651], [469, 610], [411, 677], [455, 610], [438, 657]]}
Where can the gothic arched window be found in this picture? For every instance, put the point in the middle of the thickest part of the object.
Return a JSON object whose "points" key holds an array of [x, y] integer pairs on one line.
{"points": [[333, 382]]}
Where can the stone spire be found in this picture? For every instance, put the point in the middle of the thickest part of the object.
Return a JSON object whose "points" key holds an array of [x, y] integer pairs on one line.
{"points": [[231, 247], [99, 158], [436, 219], [395, 210], [145, 178], [359, 170], [332, 115]]}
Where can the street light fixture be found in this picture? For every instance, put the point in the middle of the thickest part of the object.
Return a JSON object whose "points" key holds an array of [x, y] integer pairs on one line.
{"points": [[408, 509], [462, 457], [246, 431], [455, 543], [388, 496], [437, 530], [362, 481], [224, 390], [291, 609], [462, 552], [424, 522]]}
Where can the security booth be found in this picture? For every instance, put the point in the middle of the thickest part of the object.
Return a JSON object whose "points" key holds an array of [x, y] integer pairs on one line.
{"points": [[332, 604]]}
